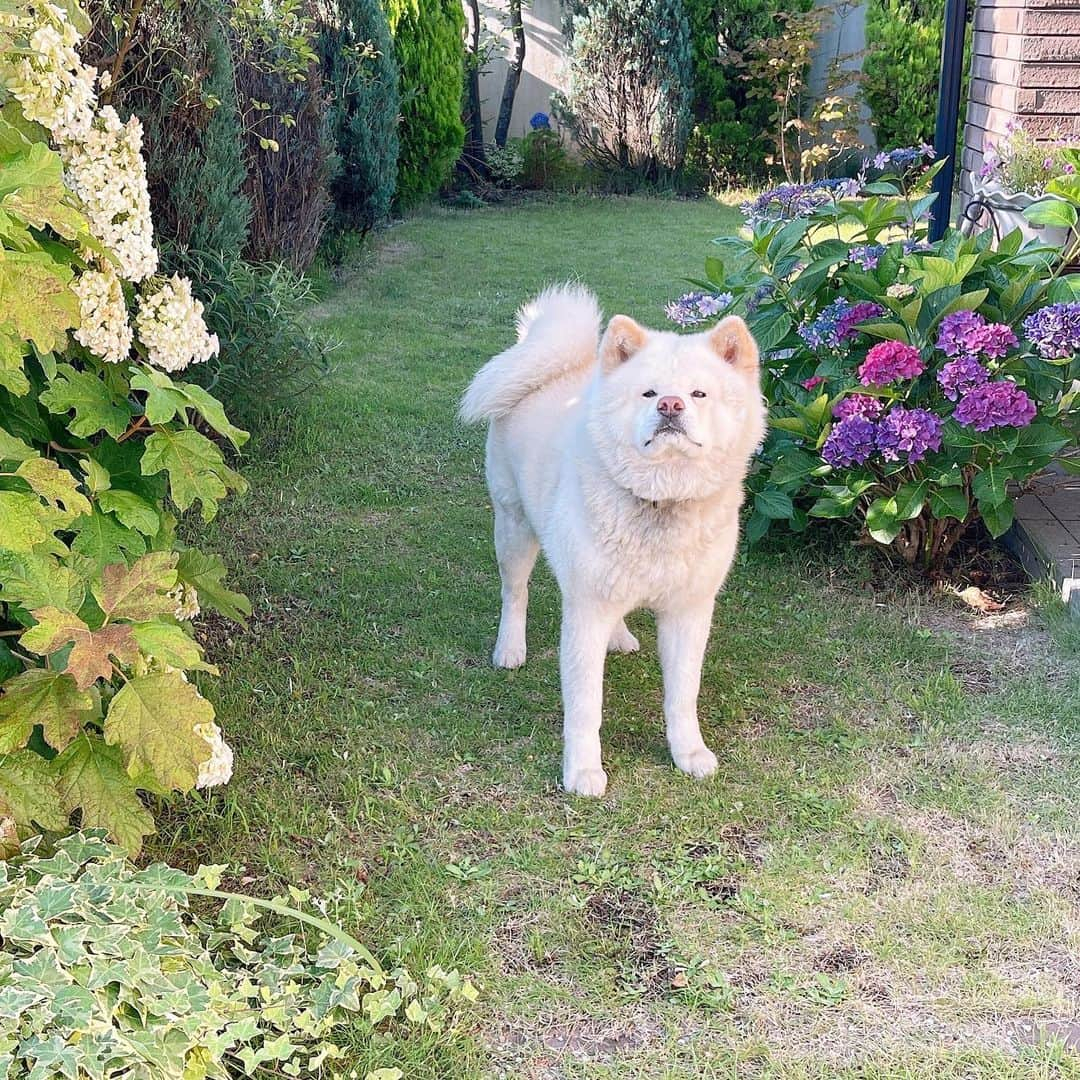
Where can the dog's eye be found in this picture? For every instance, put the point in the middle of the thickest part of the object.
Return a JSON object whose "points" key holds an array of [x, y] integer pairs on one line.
{"points": [[698, 393], [649, 393]]}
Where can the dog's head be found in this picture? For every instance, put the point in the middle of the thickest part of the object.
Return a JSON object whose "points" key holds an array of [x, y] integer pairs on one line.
{"points": [[676, 417]]}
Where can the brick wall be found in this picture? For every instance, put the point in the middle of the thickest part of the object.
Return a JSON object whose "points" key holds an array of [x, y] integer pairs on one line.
{"points": [[1025, 65]]}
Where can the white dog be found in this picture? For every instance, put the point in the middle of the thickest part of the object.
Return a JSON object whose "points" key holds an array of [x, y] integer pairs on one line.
{"points": [[626, 465]]}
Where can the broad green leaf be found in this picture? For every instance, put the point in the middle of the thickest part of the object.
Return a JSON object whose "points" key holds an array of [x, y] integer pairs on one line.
{"points": [[36, 298], [882, 521], [96, 408], [32, 190], [998, 518], [101, 539], [37, 579], [170, 644], [757, 525], [90, 777], [41, 696], [949, 502], [153, 719], [133, 511], [938, 273], [12, 449], [1055, 213], [197, 471], [828, 506], [89, 658], [22, 521], [97, 476], [29, 793], [989, 486], [909, 499], [794, 465], [12, 376], [889, 331], [57, 486], [166, 399], [1067, 186], [206, 574], [773, 503], [138, 593], [768, 333]]}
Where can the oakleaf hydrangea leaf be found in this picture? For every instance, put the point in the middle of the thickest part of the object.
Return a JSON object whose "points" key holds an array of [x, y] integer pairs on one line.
{"points": [[91, 777], [22, 524], [206, 573], [38, 579], [153, 719], [103, 540], [89, 659], [28, 790], [36, 298], [41, 696], [133, 511], [96, 408], [12, 376], [166, 399], [57, 486], [170, 644], [138, 593], [32, 189], [197, 471], [12, 449]]}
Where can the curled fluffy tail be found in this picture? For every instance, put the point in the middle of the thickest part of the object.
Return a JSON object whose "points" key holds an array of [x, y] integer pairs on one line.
{"points": [[557, 334]]}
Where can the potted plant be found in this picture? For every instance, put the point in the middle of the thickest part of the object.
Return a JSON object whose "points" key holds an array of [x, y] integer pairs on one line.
{"points": [[1014, 178]]}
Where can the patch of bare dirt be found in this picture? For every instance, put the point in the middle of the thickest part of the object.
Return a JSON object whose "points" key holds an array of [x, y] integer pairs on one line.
{"points": [[631, 925]]}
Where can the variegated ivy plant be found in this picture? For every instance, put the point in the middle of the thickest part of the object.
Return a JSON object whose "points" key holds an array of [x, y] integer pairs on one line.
{"points": [[100, 450]]}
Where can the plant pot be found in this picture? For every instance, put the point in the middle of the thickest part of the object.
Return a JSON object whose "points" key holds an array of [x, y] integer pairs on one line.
{"points": [[1006, 208]]}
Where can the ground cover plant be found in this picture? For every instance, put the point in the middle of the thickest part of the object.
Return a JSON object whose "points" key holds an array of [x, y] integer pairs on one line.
{"points": [[913, 387], [878, 884]]}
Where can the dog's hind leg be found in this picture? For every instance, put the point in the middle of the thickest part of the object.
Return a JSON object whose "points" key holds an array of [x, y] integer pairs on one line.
{"points": [[516, 548]]}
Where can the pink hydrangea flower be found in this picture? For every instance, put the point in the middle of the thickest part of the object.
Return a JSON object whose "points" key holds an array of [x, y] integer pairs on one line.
{"points": [[889, 361]]}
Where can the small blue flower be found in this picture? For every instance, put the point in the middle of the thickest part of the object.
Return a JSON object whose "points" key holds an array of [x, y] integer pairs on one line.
{"points": [[695, 307], [540, 120]]}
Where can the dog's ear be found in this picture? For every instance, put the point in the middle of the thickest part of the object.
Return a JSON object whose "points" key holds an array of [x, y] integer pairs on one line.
{"points": [[732, 341], [621, 340]]}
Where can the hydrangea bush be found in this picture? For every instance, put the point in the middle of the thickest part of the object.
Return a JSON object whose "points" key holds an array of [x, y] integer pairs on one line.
{"points": [[100, 450], [913, 387], [106, 971]]}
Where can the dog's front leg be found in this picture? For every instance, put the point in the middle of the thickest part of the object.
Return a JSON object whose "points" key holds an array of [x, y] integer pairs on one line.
{"points": [[586, 629], [682, 634]]}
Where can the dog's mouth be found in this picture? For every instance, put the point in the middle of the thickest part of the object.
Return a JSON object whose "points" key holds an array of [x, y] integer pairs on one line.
{"points": [[670, 427]]}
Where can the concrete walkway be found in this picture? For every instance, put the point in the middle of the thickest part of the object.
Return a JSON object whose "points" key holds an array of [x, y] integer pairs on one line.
{"points": [[1046, 533]]}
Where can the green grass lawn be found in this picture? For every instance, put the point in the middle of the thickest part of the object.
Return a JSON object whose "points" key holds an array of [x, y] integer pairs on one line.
{"points": [[882, 879]]}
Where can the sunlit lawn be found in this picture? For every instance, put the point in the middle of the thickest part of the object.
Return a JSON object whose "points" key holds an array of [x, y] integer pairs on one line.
{"points": [[881, 881]]}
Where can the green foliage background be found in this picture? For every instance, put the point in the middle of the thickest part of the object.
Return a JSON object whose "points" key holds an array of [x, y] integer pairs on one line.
{"points": [[364, 106], [431, 56]]}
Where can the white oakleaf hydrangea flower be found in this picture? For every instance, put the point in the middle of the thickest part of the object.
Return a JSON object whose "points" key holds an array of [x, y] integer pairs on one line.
{"points": [[103, 316], [53, 86], [170, 324], [217, 768], [106, 170], [187, 602]]}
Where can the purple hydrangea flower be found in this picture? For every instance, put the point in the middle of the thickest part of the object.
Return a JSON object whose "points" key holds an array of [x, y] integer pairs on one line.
{"points": [[966, 333], [813, 382], [1055, 330], [869, 408], [867, 255], [913, 432], [995, 404], [851, 442], [789, 201], [837, 322], [695, 307], [912, 246], [902, 159], [959, 376], [759, 295], [889, 361]]}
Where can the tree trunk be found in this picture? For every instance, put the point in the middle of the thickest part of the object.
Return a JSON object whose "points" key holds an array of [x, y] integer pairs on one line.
{"points": [[474, 155], [513, 74]]}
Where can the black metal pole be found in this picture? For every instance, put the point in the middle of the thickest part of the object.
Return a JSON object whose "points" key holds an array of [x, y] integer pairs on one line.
{"points": [[948, 113]]}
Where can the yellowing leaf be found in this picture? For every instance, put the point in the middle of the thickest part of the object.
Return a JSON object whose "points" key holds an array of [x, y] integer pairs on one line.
{"points": [[36, 298], [197, 471], [138, 593], [22, 525], [153, 719], [91, 778], [12, 449], [41, 696], [28, 791], [57, 486], [88, 660], [171, 644], [37, 579]]}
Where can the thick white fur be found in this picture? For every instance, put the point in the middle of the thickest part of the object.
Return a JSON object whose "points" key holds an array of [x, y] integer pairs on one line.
{"points": [[628, 516]]}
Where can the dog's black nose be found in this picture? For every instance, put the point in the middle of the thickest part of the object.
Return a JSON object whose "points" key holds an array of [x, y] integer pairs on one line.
{"points": [[670, 406]]}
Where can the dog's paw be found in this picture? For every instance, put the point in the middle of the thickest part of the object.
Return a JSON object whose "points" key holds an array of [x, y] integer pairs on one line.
{"points": [[700, 762], [508, 656], [622, 641], [592, 782]]}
